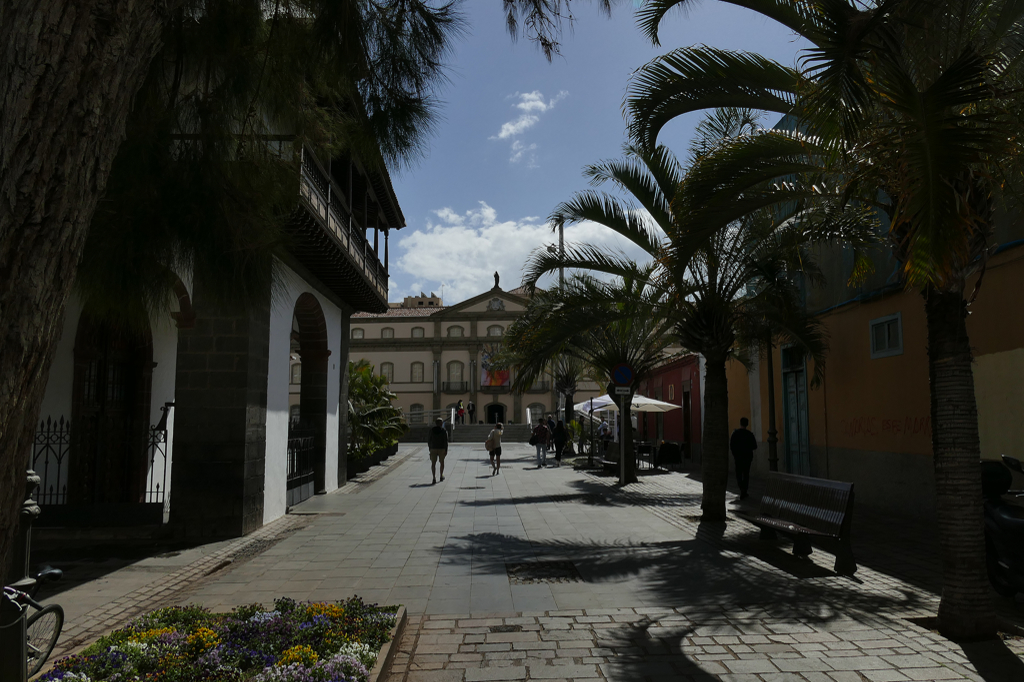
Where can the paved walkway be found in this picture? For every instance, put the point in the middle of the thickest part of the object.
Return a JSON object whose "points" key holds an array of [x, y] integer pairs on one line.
{"points": [[556, 574]]}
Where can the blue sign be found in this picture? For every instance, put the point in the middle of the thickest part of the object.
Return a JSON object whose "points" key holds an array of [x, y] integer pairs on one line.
{"points": [[622, 375]]}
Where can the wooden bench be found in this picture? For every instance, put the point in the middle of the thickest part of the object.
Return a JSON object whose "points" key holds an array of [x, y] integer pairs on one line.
{"points": [[809, 510]]}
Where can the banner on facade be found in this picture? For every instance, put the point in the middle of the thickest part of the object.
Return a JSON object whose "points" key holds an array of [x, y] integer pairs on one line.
{"points": [[489, 376]]}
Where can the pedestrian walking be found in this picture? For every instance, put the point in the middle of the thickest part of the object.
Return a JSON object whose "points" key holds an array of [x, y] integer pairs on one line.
{"points": [[471, 409], [561, 437], [437, 446], [551, 425], [494, 447], [742, 443], [541, 439]]}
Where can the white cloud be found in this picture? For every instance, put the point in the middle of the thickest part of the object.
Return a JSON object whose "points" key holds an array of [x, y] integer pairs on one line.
{"points": [[532, 104], [462, 251], [519, 150], [516, 127]]}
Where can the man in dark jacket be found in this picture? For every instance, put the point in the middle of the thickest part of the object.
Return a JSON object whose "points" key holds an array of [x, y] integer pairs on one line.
{"points": [[743, 445], [437, 445]]}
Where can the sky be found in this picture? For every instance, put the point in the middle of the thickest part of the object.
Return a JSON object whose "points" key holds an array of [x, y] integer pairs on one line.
{"points": [[516, 131]]}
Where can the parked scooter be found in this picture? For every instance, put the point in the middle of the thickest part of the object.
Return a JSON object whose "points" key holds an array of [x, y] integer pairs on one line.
{"points": [[1004, 526]]}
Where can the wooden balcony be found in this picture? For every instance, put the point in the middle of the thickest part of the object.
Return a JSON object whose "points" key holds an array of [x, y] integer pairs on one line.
{"points": [[326, 238]]}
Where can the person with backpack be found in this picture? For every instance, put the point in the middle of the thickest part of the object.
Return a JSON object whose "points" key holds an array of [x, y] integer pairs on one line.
{"points": [[541, 439], [493, 445], [437, 446]]}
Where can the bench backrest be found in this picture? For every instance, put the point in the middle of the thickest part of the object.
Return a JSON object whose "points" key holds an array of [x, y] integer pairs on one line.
{"points": [[816, 503]]}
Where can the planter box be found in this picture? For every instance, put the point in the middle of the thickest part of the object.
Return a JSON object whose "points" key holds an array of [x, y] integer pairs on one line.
{"points": [[386, 655], [363, 465]]}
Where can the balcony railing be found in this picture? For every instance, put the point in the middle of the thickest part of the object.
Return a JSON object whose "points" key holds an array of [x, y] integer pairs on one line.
{"points": [[539, 387], [326, 202], [455, 386]]}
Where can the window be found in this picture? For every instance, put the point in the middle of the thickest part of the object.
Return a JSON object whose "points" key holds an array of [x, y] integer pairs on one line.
{"points": [[387, 369], [416, 414], [294, 414], [387, 333], [887, 336], [495, 330], [417, 332], [454, 331], [297, 373], [416, 373], [357, 333], [455, 371]]}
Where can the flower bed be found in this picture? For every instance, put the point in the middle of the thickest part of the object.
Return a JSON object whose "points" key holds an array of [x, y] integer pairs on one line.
{"points": [[295, 642]]}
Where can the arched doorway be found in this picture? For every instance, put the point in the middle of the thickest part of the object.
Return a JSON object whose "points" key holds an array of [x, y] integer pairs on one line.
{"points": [[307, 435], [495, 413], [111, 387]]}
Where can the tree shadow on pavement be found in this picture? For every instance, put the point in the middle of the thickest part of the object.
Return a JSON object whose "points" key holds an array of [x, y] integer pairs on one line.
{"points": [[696, 586], [994, 661], [689, 575], [589, 493]]}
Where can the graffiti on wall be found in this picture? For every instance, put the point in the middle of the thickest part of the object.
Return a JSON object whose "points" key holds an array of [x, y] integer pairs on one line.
{"points": [[871, 426]]}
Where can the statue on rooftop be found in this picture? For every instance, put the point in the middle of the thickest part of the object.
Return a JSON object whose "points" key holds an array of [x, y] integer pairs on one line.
{"points": [[496, 279]]}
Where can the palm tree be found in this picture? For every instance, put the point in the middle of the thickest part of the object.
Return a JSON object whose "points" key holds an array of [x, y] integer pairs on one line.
{"points": [[600, 325], [925, 95], [719, 238]]}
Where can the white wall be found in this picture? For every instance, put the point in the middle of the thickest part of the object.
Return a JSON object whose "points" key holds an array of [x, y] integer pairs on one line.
{"points": [[165, 355], [276, 472]]}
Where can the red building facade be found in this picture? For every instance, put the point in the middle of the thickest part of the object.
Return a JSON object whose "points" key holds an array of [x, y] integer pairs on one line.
{"points": [[677, 382]]}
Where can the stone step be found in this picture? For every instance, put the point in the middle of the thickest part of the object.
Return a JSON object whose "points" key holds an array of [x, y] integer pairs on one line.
{"points": [[477, 433]]}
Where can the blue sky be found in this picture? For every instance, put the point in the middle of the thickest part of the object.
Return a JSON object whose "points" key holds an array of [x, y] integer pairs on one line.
{"points": [[516, 131]]}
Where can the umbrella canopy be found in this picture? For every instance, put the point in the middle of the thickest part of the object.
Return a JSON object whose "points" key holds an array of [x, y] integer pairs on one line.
{"points": [[638, 404]]}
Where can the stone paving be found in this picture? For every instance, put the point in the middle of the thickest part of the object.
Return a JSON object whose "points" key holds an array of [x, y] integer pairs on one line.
{"points": [[649, 594]]}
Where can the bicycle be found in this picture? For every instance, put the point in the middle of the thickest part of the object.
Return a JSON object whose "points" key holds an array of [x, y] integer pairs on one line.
{"points": [[44, 625]]}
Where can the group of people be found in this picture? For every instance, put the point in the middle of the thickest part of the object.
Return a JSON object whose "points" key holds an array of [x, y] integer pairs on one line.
{"points": [[548, 435], [461, 411]]}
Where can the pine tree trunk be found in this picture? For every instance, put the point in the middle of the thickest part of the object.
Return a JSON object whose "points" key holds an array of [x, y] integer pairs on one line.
{"points": [[715, 439], [71, 70], [966, 609]]}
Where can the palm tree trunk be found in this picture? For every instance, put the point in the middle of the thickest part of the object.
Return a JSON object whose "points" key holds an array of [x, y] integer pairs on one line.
{"points": [[966, 609], [74, 67], [628, 449], [715, 438]]}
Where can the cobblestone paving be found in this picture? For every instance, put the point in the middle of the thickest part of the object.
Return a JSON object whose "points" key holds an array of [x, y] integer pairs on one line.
{"points": [[660, 595]]}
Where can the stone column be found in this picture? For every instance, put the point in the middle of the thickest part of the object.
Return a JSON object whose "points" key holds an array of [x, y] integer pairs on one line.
{"points": [[220, 419]]}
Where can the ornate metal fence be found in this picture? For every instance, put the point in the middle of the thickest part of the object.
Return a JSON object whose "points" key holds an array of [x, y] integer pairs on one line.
{"points": [[301, 452], [51, 460], [54, 447], [156, 477]]}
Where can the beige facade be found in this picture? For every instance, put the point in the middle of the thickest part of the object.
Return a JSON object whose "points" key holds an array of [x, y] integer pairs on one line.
{"points": [[436, 356]]}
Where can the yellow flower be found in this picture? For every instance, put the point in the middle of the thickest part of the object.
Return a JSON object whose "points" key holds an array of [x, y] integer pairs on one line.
{"points": [[147, 636], [202, 639], [301, 653]]}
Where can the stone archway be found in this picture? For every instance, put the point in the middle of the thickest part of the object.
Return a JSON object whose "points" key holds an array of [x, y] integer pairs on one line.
{"points": [[113, 376], [307, 437], [495, 413]]}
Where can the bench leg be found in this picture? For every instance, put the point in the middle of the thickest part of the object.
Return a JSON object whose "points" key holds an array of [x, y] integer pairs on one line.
{"points": [[769, 534], [802, 547], [845, 563]]}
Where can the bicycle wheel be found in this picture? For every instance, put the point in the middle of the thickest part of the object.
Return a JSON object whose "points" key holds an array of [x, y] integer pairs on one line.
{"points": [[43, 628]]}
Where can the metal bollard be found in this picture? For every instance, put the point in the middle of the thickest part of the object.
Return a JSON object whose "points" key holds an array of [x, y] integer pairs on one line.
{"points": [[23, 545], [13, 653]]}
